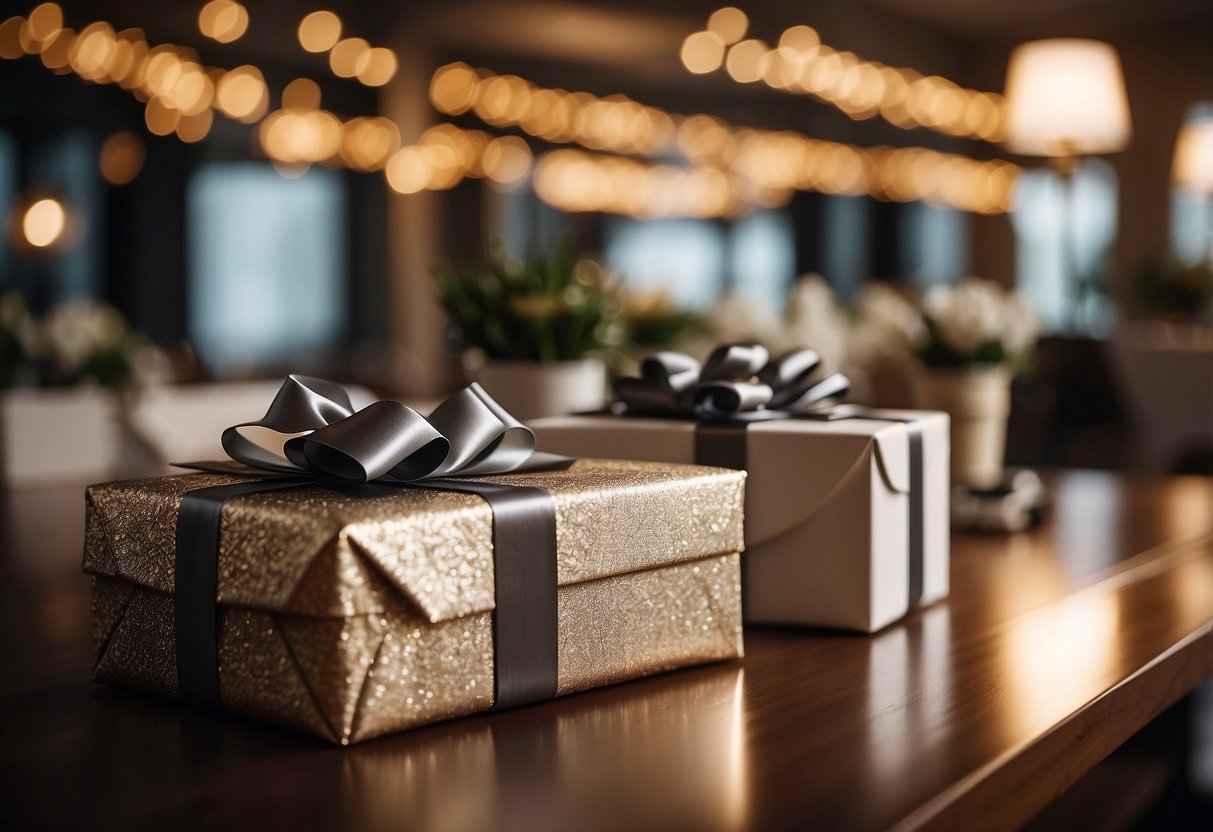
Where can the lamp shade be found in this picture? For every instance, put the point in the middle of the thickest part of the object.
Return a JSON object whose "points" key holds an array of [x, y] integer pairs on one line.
{"points": [[1192, 165], [1065, 97]]}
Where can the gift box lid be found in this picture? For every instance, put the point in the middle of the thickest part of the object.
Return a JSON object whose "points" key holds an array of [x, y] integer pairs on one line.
{"points": [[320, 552]]}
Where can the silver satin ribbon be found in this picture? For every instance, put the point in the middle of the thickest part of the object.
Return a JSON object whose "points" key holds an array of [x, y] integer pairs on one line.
{"points": [[738, 381]]}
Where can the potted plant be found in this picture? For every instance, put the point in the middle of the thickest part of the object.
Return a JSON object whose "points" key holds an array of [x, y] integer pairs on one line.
{"points": [[533, 330], [977, 336], [61, 380]]}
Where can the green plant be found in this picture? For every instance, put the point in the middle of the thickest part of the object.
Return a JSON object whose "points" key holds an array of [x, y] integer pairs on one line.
{"points": [[554, 308], [653, 321]]}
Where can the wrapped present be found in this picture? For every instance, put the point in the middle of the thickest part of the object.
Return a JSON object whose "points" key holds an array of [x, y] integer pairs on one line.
{"points": [[846, 518], [384, 570]]}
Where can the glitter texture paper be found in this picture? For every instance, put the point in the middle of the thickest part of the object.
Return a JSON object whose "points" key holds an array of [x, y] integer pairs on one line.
{"points": [[354, 616]]}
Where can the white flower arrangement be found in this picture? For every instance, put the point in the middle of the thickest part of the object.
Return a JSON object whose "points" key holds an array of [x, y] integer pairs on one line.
{"points": [[812, 319], [976, 323], [887, 328], [78, 342]]}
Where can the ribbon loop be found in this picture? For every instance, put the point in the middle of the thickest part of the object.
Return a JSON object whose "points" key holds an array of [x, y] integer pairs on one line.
{"points": [[675, 371], [322, 437], [737, 380]]}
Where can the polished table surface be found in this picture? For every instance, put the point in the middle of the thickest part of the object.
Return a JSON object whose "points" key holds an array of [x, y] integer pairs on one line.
{"points": [[1056, 645]]}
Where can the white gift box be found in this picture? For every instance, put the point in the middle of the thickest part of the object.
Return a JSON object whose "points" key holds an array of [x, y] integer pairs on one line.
{"points": [[846, 519]]}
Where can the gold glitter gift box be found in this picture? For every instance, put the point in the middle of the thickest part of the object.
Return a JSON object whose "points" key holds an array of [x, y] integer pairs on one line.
{"points": [[352, 617]]}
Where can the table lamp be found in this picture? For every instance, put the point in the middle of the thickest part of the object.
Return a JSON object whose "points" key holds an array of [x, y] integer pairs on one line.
{"points": [[1192, 164], [1065, 99]]}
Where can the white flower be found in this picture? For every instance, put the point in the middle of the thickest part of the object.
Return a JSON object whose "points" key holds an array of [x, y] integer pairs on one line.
{"points": [[814, 320], [1022, 326], [76, 330], [887, 327], [979, 312], [737, 317]]}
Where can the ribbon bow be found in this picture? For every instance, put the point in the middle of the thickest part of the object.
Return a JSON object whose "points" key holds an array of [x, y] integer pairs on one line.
{"points": [[738, 380], [322, 437]]}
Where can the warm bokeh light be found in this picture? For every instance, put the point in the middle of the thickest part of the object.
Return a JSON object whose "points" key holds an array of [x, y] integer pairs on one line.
{"points": [[223, 20], [301, 94], [730, 23], [702, 52], [802, 64], [194, 128], [768, 166], [161, 119], [746, 61], [453, 88], [57, 51], [44, 222], [344, 57], [92, 50], [319, 31], [407, 170], [804, 39], [507, 160], [45, 20], [121, 157], [300, 136], [10, 38], [241, 94], [368, 141], [375, 67], [572, 180]]}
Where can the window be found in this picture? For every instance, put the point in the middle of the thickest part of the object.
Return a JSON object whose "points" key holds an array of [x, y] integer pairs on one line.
{"points": [[266, 264], [684, 258], [763, 256], [1064, 231], [933, 244]]}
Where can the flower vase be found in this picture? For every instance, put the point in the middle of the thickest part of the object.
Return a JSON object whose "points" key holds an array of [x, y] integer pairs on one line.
{"points": [[47, 436], [531, 389], [978, 402]]}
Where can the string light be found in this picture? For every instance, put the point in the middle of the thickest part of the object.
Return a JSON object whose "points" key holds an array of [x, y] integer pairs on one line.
{"points": [[764, 166], [319, 31], [121, 158], [223, 20], [44, 222], [862, 89], [576, 181], [349, 57]]}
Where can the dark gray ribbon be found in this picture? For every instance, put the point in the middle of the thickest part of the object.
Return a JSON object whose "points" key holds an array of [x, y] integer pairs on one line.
{"points": [[388, 445], [737, 381]]}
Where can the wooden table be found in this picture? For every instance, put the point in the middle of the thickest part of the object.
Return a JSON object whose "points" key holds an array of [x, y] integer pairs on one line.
{"points": [[1056, 646]]}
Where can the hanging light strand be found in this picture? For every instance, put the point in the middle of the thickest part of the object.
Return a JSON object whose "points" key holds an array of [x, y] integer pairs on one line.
{"points": [[772, 164], [801, 64]]}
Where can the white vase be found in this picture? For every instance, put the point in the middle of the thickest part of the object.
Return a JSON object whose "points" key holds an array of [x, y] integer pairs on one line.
{"points": [[978, 402], [59, 435], [531, 389]]}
